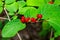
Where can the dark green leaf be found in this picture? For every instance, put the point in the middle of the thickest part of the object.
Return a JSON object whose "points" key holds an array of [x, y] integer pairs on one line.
{"points": [[12, 27], [51, 38], [0, 24], [1, 9], [45, 25], [45, 28]]}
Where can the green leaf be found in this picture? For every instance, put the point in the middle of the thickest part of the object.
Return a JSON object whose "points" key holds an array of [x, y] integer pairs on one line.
{"points": [[22, 10], [12, 7], [36, 2], [57, 2], [21, 3], [45, 25], [11, 13], [51, 38], [1, 3], [51, 13], [12, 27], [14, 17], [28, 11], [1, 9], [45, 28], [56, 34], [9, 2], [31, 12]]}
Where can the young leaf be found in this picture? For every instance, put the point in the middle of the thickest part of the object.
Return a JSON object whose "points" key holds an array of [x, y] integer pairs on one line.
{"points": [[1, 9], [12, 27], [12, 7], [9, 2]]}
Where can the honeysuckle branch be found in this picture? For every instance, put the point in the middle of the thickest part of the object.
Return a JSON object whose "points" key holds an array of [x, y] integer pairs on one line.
{"points": [[10, 20], [2, 18], [7, 14]]}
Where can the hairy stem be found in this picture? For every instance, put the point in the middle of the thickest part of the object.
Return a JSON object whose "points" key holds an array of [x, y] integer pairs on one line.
{"points": [[10, 20]]}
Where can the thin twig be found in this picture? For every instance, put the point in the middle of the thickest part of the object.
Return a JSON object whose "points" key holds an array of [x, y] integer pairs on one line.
{"points": [[7, 14], [10, 20], [51, 33], [19, 36], [3, 18]]}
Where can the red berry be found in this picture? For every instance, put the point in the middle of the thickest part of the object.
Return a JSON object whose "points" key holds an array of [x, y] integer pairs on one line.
{"points": [[51, 2], [33, 20], [27, 19], [39, 16], [22, 20], [22, 17]]}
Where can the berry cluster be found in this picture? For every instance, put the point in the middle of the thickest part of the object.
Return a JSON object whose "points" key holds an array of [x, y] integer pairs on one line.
{"points": [[23, 19]]}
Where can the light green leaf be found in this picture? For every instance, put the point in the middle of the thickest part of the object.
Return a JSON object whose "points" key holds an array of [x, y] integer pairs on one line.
{"points": [[12, 7], [1, 9], [57, 2], [31, 12], [14, 17], [1, 3], [11, 13], [9, 2], [21, 3], [12, 27], [36, 2], [22, 10], [28, 11]]}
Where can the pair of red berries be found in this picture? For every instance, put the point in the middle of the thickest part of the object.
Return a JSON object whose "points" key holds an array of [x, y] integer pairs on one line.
{"points": [[23, 19]]}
